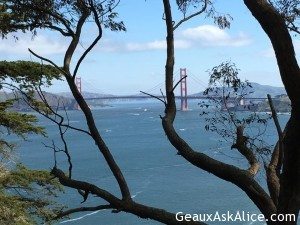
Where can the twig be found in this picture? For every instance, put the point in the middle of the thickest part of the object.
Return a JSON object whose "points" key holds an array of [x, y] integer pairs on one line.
{"points": [[162, 94], [191, 16], [47, 60], [153, 96]]}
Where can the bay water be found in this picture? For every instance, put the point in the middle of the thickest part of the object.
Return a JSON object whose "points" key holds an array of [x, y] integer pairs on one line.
{"points": [[157, 176]]}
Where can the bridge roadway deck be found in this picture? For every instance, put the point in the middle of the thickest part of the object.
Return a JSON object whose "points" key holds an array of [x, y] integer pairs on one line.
{"points": [[148, 97]]}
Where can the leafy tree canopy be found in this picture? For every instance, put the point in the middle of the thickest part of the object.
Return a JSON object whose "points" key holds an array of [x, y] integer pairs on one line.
{"points": [[26, 196], [289, 10], [59, 15], [28, 74]]}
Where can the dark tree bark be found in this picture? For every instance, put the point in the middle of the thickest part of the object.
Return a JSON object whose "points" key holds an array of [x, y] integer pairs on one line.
{"points": [[274, 26], [244, 179], [125, 203]]}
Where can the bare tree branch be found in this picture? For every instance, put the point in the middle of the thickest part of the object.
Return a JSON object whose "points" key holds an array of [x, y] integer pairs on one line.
{"points": [[47, 60], [153, 96], [274, 167], [181, 79], [75, 40], [241, 146], [122, 205], [241, 178], [175, 26], [97, 21]]}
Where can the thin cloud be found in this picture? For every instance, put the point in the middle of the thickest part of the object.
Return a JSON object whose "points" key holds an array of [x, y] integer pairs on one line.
{"points": [[114, 46], [212, 36], [201, 36], [39, 44]]}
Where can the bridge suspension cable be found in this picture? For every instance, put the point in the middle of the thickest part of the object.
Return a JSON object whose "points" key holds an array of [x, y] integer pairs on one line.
{"points": [[91, 87], [196, 79]]}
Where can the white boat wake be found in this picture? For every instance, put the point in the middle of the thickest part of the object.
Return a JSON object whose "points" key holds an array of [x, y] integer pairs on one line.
{"points": [[81, 217]]}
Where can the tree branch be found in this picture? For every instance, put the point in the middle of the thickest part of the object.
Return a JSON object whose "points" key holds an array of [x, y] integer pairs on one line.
{"points": [[241, 146], [240, 178], [274, 167], [275, 27], [47, 60], [122, 205], [74, 43], [192, 15], [153, 96], [98, 139], [96, 17], [178, 82]]}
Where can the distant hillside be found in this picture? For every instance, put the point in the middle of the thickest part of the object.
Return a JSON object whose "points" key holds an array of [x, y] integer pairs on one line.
{"points": [[281, 103], [260, 91], [85, 95], [52, 100]]}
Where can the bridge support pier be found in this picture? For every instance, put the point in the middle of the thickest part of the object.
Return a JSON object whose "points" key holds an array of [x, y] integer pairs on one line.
{"points": [[183, 90]]}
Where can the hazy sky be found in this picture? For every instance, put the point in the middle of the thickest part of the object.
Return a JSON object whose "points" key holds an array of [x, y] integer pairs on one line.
{"points": [[127, 62]]}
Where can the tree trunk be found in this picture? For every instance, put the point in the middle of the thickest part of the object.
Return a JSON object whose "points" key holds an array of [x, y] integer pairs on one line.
{"points": [[274, 26]]}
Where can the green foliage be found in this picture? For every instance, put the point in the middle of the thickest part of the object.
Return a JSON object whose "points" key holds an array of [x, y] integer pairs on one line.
{"points": [[28, 74], [185, 5], [18, 123], [26, 196], [222, 111], [59, 15], [289, 10], [188, 7], [24, 79]]}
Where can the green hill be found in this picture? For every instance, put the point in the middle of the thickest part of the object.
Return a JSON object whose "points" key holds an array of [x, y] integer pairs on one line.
{"points": [[53, 100], [281, 103]]}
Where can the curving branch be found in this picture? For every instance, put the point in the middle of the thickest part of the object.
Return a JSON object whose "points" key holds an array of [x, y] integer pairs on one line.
{"points": [[66, 126], [74, 43], [47, 60], [94, 133], [63, 32], [153, 96], [99, 141], [181, 79], [274, 167], [175, 26], [235, 175], [97, 21], [124, 205], [241, 146], [61, 132], [275, 27], [86, 110]]}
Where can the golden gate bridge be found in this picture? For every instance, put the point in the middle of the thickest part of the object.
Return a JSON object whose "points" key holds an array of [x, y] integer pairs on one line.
{"points": [[183, 96]]}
